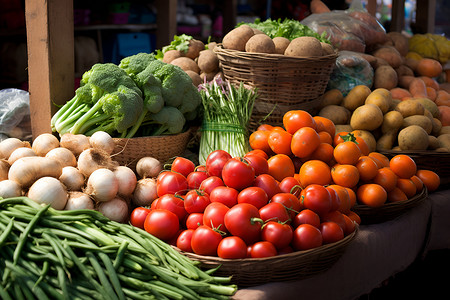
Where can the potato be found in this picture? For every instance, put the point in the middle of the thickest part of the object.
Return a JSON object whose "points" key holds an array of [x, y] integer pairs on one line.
{"points": [[171, 55], [437, 127], [331, 97], [356, 97], [208, 61], [327, 49], [196, 79], [420, 120], [394, 103], [207, 76], [186, 63], [366, 117], [281, 44], [368, 137], [195, 46], [385, 77], [386, 141], [444, 141], [343, 128], [404, 70], [392, 121], [429, 105], [433, 143], [260, 43], [390, 54], [257, 31], [237, 38], [409, 108], [338, 114], [444, 130], [211, 45], [413, 137], [399, 41], [304, 46], [381, 98]]}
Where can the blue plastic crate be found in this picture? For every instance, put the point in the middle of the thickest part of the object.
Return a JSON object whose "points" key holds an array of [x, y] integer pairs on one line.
{"points": [[127, 44]]}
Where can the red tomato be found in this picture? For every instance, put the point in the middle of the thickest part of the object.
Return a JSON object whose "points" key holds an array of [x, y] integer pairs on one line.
{"points": [[214, 216], [285, 250], [335, 200], [184, 240], [306, 216], [336, 217], [182, 165], [331, 232], [154, 203], [306, 237], [169, 182], [195, 201], [162, 223], [174, 204], [253, 195], [274, 211], [225, 195], [288, 183], [258, 163], [317, 198], [215, 162], [258, 152], [279, 234], [205, 241], [263, 249], [194, 220], [238, 173], [243, 220], [210, 183], [289, 201], [232, 247], [138, 215], [194, 179], [268, 184]]}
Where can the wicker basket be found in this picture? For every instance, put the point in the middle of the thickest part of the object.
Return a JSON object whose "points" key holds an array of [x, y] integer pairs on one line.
{"points": [[389, 211], [438, 162], [164, 147], [295, 265], [284, 82]]}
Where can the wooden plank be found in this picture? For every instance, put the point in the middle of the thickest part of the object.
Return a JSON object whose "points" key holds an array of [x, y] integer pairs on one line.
{"points": [[166, 20], [425, 16], [398, 16], [50, 44]]}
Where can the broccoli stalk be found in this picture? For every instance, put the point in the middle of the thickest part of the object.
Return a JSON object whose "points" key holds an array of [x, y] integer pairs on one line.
{"points": [[169, 120]]}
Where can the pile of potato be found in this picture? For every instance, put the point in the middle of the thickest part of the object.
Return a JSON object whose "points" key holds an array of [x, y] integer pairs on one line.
{"points": [[248, 39]]}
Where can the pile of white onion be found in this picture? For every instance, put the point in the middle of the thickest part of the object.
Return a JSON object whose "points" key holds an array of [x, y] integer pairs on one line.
{"points": [[76, 172]]}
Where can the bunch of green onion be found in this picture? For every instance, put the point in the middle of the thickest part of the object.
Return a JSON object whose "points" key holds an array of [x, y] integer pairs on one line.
{"points": [[227, 111]]}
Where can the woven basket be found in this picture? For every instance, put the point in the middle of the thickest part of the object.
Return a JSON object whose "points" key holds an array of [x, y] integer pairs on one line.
{"points": [[389, 211], [283, 82], [164, 147], [438, 162], [295, 265]]}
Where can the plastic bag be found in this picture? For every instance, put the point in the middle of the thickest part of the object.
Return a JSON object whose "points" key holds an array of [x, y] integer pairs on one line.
{"points": [[350, 70], [15, 113]]}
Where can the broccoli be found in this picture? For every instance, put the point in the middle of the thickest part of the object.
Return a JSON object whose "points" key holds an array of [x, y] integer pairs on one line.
{"points": [[169, 120], [107, 99]]}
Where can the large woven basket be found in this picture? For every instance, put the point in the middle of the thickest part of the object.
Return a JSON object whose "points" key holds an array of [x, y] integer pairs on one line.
{"points": [[164, 147], [389, 211], [283, 82], [295, 265], [438, 162]]}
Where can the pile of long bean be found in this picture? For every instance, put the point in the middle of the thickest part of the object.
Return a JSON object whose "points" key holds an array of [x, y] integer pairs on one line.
{"points": [[80, 254]]}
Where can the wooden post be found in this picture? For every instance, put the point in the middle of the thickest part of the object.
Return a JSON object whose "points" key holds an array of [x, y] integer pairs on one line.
{"points": [[50, 42], [398, 15], [425, 16], [166, 20]]}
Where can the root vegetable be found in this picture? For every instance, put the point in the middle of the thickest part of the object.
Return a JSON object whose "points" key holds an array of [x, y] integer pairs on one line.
{"points": [[102, 185], [9, 188], [127, 181], [8, 145], [19, 153], [4, 168], [44, 143], [148, 167], [92, 159], [26, 170], [78, 200], [102, 140], [115, 209], [49, 190], [63, 155], [76, 143], [145, 192], [72, 178]]}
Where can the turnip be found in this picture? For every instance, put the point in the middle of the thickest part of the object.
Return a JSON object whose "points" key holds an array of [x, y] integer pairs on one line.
{"points": [[115, 209], [63, 155], [19, 153], [27, 170], [48, 190], [145, 192], [102, 185], [76, 143], [4, 168], [127, 181], [9, 188], [148, 167], [72, 178], [79, 200], [102, 140], [92, 159], [44, 143], [8, 145]]}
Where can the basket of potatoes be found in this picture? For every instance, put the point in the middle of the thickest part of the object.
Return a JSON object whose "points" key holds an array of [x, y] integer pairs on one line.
{"points": [[288, 74]]}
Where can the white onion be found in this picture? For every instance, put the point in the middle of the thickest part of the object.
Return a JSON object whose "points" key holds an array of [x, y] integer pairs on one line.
{"points": [[102, 185], [44, 143], [115, 209], [63, 155], [72, 178], [149, 167], [10, 188], [79, 200], [102, 140], [19, 153], [127, 181], [4, 169], [92, 159], [145, 192], [49, 190], [7, 146], [76, 143]]}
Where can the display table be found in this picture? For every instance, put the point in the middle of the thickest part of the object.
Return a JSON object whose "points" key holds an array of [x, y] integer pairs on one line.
{"points": [[378, 252]]}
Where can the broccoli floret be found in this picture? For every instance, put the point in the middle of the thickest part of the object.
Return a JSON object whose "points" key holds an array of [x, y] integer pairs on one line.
{"points": [[169, 120]]}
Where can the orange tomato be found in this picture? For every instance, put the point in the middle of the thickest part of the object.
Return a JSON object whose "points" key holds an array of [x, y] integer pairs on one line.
{"points": [[259, 139], [293, 120], [354, 217], [351, 196], [345, 175], [381, 159], [349, 225], [367, 168], [429, 178], [314, 171], [280, 166], [403, 165], [280, 142], [325, 137], [304, 142], [326, 124], [396, 195], [338, 137], [418, 182], [407, 186], [371, 194], [323, 152], [347, 153], [362, 145], [266, 127], [386, 178], [344, 197]]}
